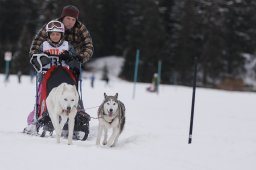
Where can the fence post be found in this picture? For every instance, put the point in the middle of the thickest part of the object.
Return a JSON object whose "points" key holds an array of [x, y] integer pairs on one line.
{"points": [[136, 71]]}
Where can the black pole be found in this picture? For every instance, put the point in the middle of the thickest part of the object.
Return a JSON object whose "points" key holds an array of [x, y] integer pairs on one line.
{"points": [[193, 102]]}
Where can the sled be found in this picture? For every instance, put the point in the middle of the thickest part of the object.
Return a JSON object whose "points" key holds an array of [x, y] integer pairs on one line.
{"points": [[51, 73]]}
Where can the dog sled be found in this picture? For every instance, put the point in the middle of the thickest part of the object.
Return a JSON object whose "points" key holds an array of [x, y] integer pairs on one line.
{"points": [[51, 73]]}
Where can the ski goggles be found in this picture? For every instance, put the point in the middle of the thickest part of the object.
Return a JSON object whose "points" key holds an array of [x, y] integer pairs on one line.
{"points": [[54, 25]]}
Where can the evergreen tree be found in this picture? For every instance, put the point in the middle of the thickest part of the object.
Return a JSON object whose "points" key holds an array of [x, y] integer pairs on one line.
{"points": [[186, 38], [174, 31], [239, 34], [168, 73], [147, 33]]}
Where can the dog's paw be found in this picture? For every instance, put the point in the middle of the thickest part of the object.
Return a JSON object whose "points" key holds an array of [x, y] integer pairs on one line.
{"points": [[97, 142], [110, 145], [104, 143], [70, 142]]}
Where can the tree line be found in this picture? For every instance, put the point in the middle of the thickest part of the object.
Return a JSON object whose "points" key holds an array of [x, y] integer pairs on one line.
{"points": [[174, 32]]}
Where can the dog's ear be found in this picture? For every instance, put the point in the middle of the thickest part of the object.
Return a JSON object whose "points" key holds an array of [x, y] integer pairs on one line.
{"points": [[116, 95], [63, 87], [76, 92], [105, 95]]}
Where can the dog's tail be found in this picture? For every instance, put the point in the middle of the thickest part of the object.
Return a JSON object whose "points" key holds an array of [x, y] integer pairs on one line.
{"points": [[122, 124], [122, 115]]}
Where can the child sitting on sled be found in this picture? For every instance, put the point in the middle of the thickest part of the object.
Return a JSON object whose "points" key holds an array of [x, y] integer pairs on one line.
{"points": [[56, 50], [55, 47]]}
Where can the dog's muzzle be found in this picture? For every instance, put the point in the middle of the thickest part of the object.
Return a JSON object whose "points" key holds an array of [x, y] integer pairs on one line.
{"points": [[67, 111], [110, 112]]}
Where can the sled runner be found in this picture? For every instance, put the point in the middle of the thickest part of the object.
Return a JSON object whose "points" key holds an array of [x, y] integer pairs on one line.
{"points": [[51, 73]]}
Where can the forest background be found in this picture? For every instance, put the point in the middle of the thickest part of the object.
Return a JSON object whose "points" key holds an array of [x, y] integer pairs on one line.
{"points": [[221, 34]]}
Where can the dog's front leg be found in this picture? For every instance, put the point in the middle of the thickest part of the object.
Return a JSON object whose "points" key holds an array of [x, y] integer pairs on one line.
{"points": [[62, 123], [57, 127], [71, 124], [116, 139], [100, 129], [113, 137], [105, 135]]}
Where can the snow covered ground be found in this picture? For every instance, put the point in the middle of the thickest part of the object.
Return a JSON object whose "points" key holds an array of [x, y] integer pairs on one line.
{"points": [[155, 135]]}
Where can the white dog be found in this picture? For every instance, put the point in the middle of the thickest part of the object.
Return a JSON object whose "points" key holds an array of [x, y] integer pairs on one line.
{"points": [[111, 114], [62, 104]]}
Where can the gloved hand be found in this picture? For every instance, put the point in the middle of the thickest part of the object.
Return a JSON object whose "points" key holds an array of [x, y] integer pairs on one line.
{"points": [[81, 59], [64, 56]]}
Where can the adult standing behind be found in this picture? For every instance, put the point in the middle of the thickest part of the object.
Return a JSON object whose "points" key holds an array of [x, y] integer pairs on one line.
{"points": [[76, 33]]}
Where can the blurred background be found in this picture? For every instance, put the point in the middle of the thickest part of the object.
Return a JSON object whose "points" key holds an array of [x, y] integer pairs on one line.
{"points": [[220, 33]]}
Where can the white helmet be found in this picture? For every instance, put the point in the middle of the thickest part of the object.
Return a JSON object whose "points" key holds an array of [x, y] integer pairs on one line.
{"points": [[55, 26]]}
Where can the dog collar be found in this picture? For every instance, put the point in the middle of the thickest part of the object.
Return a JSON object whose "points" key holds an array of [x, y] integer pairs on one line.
{"points": [[111, 120]]}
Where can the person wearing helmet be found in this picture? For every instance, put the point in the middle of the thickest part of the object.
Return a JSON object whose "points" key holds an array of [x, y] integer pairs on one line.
{"points": [[55, 45], [76, 33]]}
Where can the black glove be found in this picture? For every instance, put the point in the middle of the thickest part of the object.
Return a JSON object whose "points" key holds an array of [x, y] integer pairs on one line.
{"points": [[78, 58], [64, 56]]}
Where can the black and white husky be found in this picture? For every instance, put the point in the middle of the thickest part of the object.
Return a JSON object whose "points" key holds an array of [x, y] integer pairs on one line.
{"points": [[111, 114]]}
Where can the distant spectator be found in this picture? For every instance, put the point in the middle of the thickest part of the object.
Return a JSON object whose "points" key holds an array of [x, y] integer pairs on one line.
{"points": [[32, 75], [92, 80], [19, 74], [154, 85], [106, 80], [7, 75]]}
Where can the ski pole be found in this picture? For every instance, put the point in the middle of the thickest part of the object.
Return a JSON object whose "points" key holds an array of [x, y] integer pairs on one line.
{"points": [[193, 102], [80, 78], [37, 96]]}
